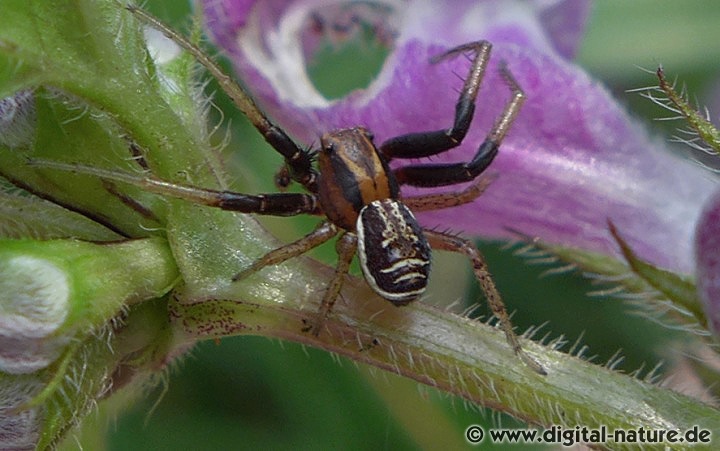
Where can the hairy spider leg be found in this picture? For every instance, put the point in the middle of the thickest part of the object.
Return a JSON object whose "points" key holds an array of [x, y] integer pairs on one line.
{"points": [[274, 204], [322, 233], [444, 241], [346, 247], [430, 175], [437, 201], [297, 159], [424, 144]]}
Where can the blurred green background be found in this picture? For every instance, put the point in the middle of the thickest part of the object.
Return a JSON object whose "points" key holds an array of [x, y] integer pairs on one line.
{"points": [[250, 392]]}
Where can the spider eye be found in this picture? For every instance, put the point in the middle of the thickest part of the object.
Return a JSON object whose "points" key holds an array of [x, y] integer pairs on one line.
{"points": [[329, 147]]}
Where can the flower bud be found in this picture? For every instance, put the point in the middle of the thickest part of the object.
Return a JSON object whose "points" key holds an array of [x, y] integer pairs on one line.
{"points": [[33, 306], [17, 119], [19, 427]]}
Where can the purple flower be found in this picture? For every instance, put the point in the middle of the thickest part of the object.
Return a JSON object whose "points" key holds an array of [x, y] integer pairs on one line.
{"points": [[707, 244], [572, 160]]}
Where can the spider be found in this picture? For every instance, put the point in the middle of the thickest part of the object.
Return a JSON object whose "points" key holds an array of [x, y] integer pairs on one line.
{"points": [[354, 188]]}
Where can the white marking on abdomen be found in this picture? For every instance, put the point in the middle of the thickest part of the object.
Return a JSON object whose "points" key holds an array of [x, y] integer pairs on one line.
{"points": [[410, 275], [403, 263]]}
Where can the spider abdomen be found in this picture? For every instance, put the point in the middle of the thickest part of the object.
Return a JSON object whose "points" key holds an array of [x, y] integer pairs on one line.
{"points": [[394, 254]]}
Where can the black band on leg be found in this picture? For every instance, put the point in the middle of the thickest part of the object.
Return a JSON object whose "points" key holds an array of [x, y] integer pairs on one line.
{"points": [[430, 175], [276, 204]]}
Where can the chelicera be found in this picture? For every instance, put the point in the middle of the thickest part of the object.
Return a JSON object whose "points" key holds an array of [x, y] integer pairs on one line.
{"points": [[353, 187]]}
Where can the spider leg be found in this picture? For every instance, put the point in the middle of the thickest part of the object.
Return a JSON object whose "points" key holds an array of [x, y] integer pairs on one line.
{"points": [[429, 175], [451, 243], [322, 233], [298, 160], [273, 204], [438, 201], [346, 247], [424, 144]]}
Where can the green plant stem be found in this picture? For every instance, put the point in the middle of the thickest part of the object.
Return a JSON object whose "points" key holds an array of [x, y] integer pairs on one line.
{"points": [[457, 355]]}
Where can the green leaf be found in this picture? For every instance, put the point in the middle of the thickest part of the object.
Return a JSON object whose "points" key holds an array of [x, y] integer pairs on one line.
{"points": [[25, 216], [678, 289], [134, 353], [67, 130], [655, 286]]}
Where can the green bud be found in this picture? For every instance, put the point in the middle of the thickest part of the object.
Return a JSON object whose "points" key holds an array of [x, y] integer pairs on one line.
{"points": [[52, 290], [34, 305]]}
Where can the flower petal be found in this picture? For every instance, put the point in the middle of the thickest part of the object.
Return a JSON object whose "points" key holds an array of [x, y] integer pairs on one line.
{"points": [[707, 251], [572, 159]]}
